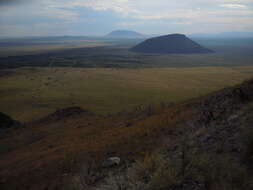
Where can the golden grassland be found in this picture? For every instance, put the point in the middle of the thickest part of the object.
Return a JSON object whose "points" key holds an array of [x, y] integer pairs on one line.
{"points": [[31, 93]]}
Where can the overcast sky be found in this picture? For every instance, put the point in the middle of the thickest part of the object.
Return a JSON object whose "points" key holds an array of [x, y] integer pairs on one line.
{"points": [[98, 17]]}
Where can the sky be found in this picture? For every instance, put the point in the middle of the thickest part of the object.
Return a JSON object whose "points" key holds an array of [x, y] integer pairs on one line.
{"points": [[99, 17]]}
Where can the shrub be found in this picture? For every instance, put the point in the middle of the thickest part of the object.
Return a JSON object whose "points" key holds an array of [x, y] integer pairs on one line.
{"points": [[89, 174], [247, 146], [219, 172]]}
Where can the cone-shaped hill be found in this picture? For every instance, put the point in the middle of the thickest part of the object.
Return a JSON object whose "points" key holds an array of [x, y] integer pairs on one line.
{"points": [[173, 43]]}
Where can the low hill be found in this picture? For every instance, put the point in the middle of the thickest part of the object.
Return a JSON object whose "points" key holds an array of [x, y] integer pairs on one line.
{"points": [[7, 122], [124, 34], [173, 43]]}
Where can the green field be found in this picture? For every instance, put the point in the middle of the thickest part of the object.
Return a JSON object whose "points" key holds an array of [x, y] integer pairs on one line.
{"points": [[31, 93]]}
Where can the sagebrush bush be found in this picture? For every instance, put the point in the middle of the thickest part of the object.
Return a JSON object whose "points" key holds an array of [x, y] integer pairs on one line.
{"points": [[152, 173], [219, 172], [157, 171]]}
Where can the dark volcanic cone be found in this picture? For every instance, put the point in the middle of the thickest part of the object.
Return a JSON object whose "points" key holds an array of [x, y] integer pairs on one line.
{"points": [[173, 43]]}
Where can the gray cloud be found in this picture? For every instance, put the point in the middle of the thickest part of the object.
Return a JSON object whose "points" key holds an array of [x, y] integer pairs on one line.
{"points": [[20, 16], [11, 2]]}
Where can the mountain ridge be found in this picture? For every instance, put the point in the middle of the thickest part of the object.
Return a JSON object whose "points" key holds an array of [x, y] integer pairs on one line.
{"points": [[124, 34]]}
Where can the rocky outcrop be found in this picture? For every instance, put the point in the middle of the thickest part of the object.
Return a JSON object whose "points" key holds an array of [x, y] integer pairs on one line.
{"points": [[111, 162], [224, 102]]}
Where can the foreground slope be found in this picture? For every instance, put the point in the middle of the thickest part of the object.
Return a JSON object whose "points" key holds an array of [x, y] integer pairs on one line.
{"points": [[203, 138], [173, 43]]}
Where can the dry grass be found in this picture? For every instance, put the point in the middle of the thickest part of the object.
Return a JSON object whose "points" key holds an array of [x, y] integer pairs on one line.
{"points": [[60, 148], [34, 92]]}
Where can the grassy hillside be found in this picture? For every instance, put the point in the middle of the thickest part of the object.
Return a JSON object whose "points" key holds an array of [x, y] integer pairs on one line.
{"points": [[30, 93], [203, 144]]}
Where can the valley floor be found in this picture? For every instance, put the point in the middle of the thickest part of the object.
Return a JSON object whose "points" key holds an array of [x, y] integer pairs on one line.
{"points": [[31, 93]]}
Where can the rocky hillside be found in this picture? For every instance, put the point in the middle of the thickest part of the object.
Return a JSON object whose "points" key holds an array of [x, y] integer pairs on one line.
{"points": [[212, 150], [201, 144]]}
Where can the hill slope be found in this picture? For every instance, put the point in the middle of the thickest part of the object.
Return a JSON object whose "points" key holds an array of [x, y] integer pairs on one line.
{"points": [[124, 34], [206, 145], [173, 43]]}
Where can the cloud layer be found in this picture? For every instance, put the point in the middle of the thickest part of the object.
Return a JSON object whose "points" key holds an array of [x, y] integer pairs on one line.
{"points": [[86, 17]]}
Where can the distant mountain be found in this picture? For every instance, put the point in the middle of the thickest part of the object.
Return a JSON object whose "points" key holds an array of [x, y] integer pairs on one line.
{"points": [[173, 43], [124, 34], [223, 35]]}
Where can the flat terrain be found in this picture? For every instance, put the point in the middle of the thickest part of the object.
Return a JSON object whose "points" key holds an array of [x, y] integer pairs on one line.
{"points": [[35, 45], [109, 53], [31, 93], [34, 48]]}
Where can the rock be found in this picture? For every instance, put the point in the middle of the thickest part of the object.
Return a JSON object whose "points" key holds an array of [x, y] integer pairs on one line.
{"points": [[232, 118], [111, 162]]}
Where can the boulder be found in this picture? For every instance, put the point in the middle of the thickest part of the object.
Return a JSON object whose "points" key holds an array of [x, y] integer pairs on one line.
{"points": [[111, 162]]}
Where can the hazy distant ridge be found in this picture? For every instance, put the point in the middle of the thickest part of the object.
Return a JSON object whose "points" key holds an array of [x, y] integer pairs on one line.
{"points": [[124, 34], [224, 35]]}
